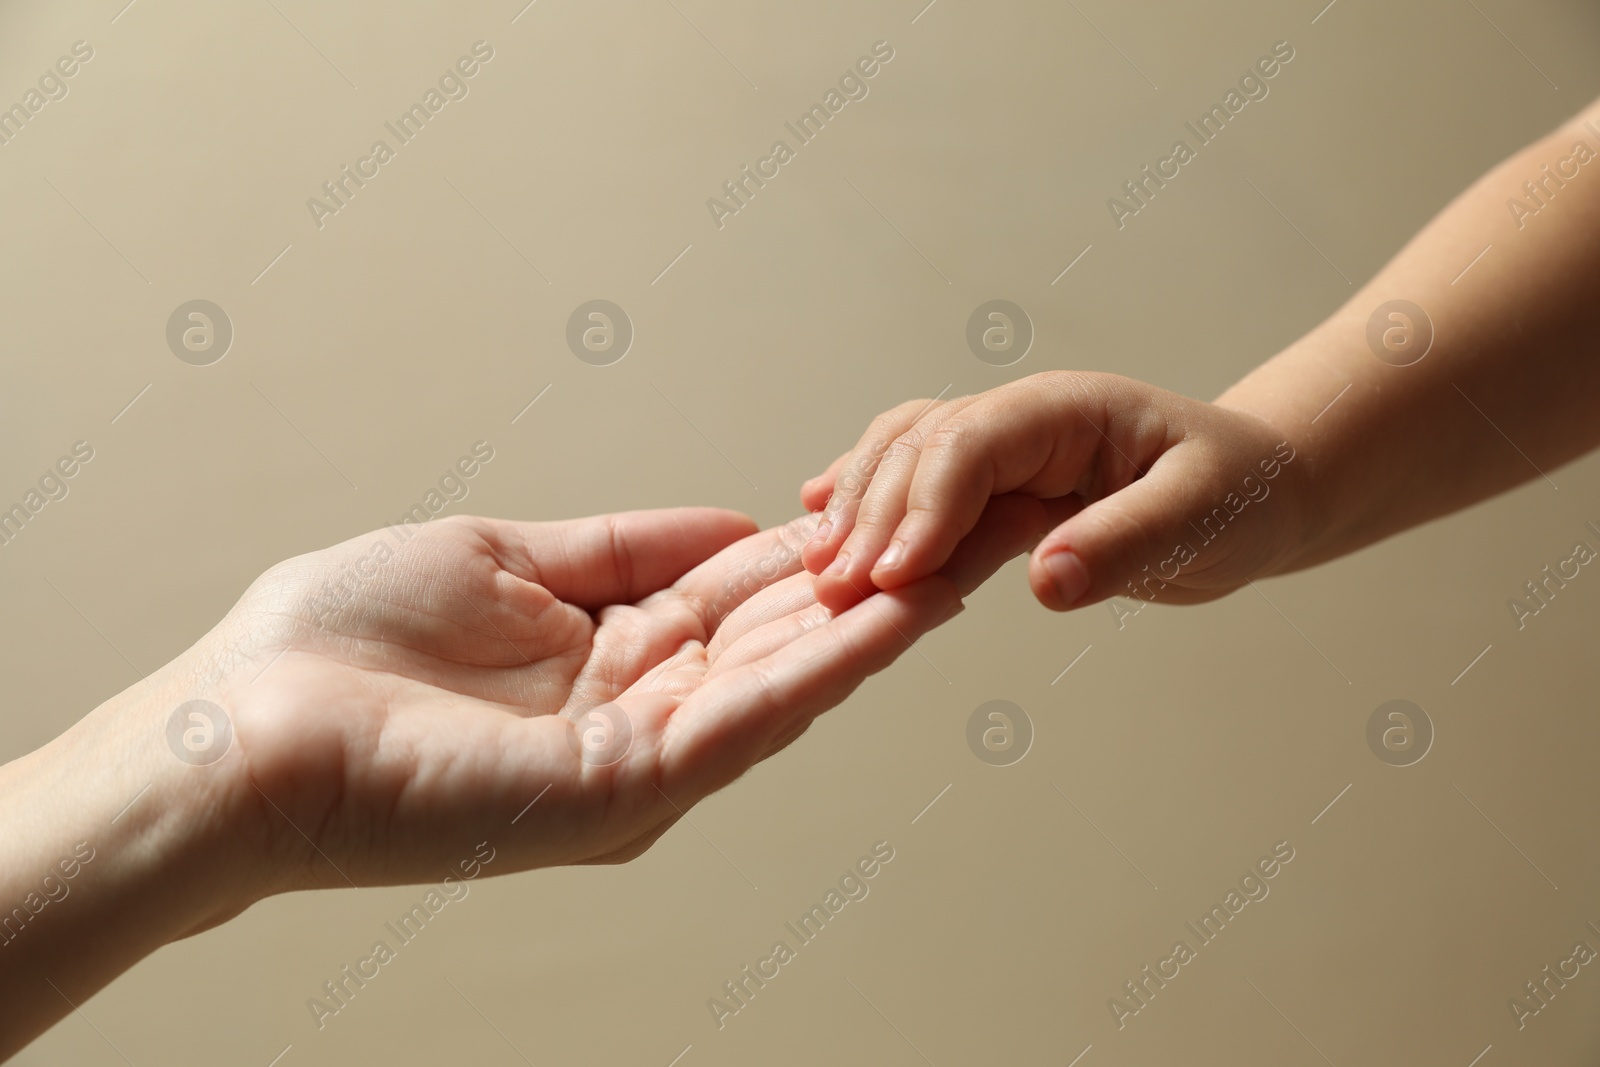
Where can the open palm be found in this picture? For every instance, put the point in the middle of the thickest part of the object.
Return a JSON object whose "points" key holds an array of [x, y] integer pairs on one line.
{"points": [[562, 691]]}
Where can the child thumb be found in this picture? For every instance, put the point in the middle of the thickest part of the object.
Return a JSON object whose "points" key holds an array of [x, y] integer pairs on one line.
{"points": [[1132, 542]]}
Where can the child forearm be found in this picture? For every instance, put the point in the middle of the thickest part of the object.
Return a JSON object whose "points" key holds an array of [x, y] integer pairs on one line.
{"points": [[1508, 388]]}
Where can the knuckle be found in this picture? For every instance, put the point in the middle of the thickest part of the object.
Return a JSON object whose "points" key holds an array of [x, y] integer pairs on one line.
{"points": [[875, 512], [1074, 382], [886, 425], [902, 450], [457, 523], [950, 434], [850, 484], [913, 407], [621, 552], [896, 421]]}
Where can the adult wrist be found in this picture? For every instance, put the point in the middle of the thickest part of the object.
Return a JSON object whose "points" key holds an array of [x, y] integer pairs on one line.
{"points": [[162, 816], [112, 849]]}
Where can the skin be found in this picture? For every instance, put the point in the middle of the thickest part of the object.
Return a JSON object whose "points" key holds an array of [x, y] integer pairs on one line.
{"points": [[388, 740], [382, 737], [1507, 392]]}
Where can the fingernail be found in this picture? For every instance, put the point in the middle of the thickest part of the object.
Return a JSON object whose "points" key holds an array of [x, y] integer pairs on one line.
{"points": [[953, 612], [824, 528], [840, 562], [1069, 576], [892, 556]]}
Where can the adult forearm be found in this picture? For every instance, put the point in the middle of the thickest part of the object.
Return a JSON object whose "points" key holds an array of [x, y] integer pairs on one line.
{"points": [[1508, 387], [111, 849]]}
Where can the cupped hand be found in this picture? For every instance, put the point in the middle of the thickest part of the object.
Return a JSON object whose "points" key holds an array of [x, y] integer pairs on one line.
{"points": [[561, 691]]}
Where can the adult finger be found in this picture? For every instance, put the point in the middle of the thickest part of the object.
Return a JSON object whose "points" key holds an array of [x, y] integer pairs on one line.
{"points": [[611, 559], [731, 721], [717, 587]]}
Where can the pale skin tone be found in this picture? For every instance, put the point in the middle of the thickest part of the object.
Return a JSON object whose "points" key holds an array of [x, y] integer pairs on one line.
{"points": [[1514, 357], [379, 737], [391, 737]]}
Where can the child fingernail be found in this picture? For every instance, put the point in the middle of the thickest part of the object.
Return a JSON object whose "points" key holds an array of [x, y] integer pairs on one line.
{"points": [[892, 556], [840, 562], [824, 528], [1069, 576]]}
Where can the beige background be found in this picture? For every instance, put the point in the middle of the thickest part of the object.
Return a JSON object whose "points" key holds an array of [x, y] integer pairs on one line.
{"points": [[375, 351]]}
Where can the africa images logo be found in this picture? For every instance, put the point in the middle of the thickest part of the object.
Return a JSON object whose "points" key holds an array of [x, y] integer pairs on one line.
{"points": [[1253, 86], [454, 85]]}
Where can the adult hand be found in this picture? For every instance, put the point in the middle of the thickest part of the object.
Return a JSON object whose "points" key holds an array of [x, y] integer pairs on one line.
{"points": [[384, 712], [605, 670]]}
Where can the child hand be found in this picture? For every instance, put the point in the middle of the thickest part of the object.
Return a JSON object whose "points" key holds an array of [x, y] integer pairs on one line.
{"points": [[1166, 498]]}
